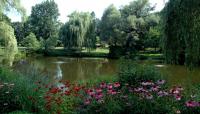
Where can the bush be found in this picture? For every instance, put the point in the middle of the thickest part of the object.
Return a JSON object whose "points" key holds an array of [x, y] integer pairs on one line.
{"points": [[31, 42], [17, 89], [132, 73]]}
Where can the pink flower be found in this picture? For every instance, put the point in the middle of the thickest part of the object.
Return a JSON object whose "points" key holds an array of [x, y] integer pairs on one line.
{"points": [[90, 92], [155, 88], [87, 102], [149, 96], [112, 92], [98, 90], [139, 89], [192, 104], [99, 96], [109, 86], [116, 84], [147, 83], [162, 93], [161, 82], [103, 85], [178, 97]]}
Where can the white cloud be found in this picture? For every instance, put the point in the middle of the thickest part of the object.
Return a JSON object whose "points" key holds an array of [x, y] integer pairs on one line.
{"points": [[68, 6]]}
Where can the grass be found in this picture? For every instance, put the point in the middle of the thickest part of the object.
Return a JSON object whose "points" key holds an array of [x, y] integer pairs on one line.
{"points": [[59, 51]]}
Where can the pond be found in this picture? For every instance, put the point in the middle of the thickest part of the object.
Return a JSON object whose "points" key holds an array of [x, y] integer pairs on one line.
{"points": [[74, 69]]}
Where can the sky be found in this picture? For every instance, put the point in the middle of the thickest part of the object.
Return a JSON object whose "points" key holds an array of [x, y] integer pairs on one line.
{"points": [[66, 7]]}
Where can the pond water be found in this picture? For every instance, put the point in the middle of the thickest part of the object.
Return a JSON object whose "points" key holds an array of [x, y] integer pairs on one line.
{"points": [[74, 69]]}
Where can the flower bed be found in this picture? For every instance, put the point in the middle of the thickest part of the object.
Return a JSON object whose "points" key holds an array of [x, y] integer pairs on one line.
{"points": [[147, 97]]}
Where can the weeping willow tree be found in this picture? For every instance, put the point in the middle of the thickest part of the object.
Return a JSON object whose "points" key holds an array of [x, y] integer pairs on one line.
{"points": [[6, 31], [79, 31], [182, 36], [7, 34]]}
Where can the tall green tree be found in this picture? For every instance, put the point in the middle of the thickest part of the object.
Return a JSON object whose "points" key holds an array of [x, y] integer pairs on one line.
{"points": [[19, 31], [79, 31], [124, 29], [181, 29], [109, 24], [44, 22]]}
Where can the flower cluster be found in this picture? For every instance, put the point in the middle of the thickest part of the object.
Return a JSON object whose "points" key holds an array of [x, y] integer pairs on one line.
{"points": [[6, 96], [88, 95], [150, 89], [100, 91]]}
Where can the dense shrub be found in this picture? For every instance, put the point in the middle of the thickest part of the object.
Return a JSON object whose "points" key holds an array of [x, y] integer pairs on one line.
{"points": [[16, 89], [131, 73]]}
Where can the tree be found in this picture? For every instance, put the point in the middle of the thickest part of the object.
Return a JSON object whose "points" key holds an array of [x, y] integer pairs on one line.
{"points": [[79, 31], [6, 31], [125, 29], [31, 42], [19, 31], [10, 43], [153, 38], [109, 21], [181, 22], [44, 22]]}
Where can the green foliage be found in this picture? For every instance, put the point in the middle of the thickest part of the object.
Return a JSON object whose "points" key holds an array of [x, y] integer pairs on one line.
{"points": [[44, 22], [109, 22], [132, 73], [9, 41], [181, 24], [153, 38], [21, 88], [127, 27], [19, 31], [31, 42], [79, 31]]}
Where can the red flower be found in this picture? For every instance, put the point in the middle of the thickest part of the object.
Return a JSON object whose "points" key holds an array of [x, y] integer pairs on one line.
{"points": [[48, 98], [67, 92], [67, 84], [54, 90], [77, 89]]}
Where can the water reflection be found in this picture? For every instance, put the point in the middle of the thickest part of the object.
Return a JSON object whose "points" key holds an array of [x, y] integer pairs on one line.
{"points": [[75, 69], [72, 69]]}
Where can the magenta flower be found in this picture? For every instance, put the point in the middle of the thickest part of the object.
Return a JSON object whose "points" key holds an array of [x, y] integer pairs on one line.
{"points": [[90, 92], [99, 96], [109, 86], [112, 92], [192, 104], [87, 102], [116, 84], [98, 90], [178, 97], [103, 85]]}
